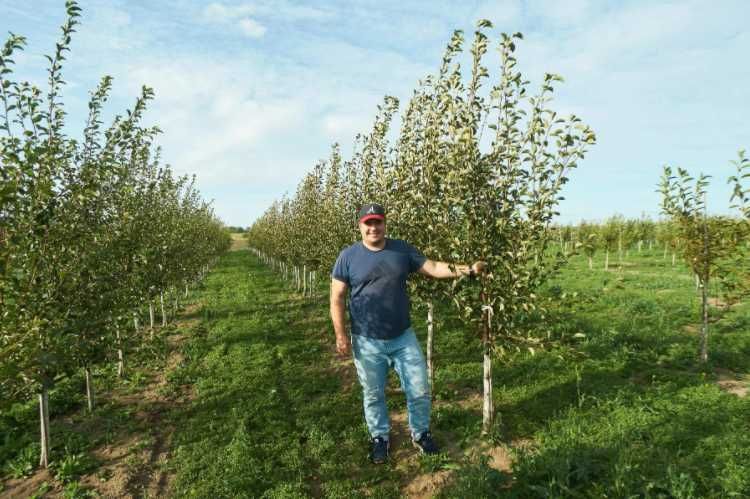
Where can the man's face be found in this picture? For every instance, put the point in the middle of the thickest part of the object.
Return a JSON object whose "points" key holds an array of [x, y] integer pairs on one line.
{"points": [[372, 230]]}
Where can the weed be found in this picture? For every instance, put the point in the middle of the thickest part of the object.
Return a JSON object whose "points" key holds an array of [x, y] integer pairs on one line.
{"points": [[25, 461], [73, 466], [41, 491], [74, 490]]}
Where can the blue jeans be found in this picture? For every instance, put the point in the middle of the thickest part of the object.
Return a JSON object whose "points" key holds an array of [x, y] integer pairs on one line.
{"points": [[372, 358]]}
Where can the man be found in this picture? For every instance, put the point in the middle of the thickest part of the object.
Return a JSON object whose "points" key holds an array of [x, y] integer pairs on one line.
{"points": [[375, 271]]}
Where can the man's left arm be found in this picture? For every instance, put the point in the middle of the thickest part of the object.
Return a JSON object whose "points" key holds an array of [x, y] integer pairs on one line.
{"points": [[442, 270]]}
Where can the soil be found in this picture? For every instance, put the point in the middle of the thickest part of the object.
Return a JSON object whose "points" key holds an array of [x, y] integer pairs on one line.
{"points": [[732, 383], [135, 462], [426, 485]]}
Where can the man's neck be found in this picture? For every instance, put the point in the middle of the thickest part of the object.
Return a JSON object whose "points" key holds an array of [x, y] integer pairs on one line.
{"points": [[375, 247]]}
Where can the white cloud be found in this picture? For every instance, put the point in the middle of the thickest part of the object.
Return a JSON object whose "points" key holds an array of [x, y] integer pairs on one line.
{"points": [[237, 15], [251, 28], [220, 13]]}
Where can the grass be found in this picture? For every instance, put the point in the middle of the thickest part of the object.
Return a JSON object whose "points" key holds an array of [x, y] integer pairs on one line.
{"points": [[618, 407]]}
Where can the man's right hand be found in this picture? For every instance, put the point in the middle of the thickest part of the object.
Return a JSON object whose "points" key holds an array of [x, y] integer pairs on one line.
{"points": [[343, 346]]}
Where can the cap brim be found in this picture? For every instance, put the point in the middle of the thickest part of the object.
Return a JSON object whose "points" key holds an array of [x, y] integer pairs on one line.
{"points": [[370, 217]]}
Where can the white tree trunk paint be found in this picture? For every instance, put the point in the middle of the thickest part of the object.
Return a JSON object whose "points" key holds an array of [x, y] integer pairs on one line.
{"points": [[44, 438], [89, 390], [120, 356], [704, 327], [488, 410]]}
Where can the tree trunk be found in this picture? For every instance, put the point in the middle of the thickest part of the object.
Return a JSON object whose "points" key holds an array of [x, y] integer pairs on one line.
{"points": [[640, 245], [430, 345], [186, 291], [120, 356], [151, 315], [488, 410], [591, 263], [304, 280], [674, 255], [606, 260], [89, 389], [704, 328], [665, 252], [44, 439], [163, 312]]}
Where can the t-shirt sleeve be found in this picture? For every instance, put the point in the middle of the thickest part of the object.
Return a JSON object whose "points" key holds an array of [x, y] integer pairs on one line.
{"points": [[416, 258], [340, 270]]}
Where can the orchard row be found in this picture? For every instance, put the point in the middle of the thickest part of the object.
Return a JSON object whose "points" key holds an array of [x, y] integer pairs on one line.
{"points": [[92, 232], [475, 173]]}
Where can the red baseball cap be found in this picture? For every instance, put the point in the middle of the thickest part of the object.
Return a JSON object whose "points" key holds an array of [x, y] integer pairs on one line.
{"points": [[370, 211]]}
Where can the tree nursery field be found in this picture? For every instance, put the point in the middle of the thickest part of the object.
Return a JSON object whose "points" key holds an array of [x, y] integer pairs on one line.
{"points": [[243, 396], [147, 352]]}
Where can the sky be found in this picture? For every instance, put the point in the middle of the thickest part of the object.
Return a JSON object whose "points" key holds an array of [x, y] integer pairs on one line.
{"points": [[251, 94]]}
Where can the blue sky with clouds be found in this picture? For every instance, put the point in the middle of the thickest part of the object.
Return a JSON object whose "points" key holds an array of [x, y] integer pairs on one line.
{"points": [[250, 94]]}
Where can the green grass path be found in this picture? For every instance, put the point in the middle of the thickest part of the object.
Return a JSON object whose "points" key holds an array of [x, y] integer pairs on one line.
{"points": [[274, 412], [623, 412]]}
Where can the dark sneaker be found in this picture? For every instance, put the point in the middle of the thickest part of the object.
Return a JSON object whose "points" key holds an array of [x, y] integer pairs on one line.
{"points": [[426, 444], [379, 450]]}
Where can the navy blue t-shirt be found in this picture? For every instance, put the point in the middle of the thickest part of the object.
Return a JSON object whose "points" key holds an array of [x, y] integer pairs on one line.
{"points": [[378, 303]]}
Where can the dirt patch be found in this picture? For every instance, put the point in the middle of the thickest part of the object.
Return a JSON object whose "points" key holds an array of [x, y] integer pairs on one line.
{"points": [[732, 383], [27, 487], [133, 461], [427, 485], [691, 329]]}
